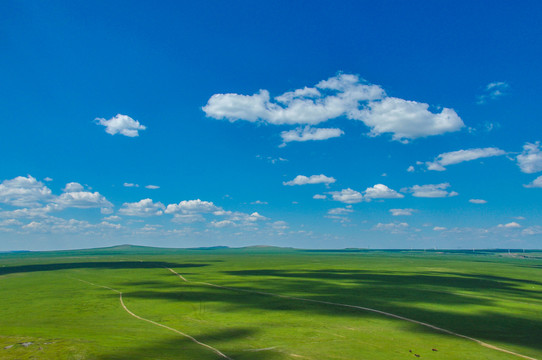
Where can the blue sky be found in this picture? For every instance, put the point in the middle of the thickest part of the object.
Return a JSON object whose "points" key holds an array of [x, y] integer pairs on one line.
{"points": [[314, 124]]}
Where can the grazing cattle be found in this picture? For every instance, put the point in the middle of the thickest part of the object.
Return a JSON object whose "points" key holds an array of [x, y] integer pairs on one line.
{"points": [[434, 349], [416, 355], [409, 350]]}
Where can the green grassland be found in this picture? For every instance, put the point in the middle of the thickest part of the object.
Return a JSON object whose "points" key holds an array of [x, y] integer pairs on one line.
{"points": [[55, 305]]}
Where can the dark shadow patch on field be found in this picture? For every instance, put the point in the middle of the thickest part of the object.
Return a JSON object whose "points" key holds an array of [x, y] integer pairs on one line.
{"points": [[182, 348], [438, 282], [500, 279], [94, 265], [488, 326], [231, 300], [402, 294]]}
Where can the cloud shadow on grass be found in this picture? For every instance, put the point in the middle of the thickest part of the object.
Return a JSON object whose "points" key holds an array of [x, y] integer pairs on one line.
{"points": [[112, 265]]}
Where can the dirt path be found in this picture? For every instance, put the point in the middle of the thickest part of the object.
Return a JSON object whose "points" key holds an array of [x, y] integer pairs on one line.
{"points": [[484, 344], [216, 351]]}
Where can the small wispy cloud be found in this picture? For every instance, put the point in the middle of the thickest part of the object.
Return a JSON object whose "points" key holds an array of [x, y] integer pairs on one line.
{"points": [[313, 179], [493, 91]]}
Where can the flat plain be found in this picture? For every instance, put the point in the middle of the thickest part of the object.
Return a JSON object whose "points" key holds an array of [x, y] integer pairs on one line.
{"points": [[265, 303]]}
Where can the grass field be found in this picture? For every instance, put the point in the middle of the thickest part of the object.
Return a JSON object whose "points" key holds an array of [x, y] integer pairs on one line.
{"points": [[66, 305]]}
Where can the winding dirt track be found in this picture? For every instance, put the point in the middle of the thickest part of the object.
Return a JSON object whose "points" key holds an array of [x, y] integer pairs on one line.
{"points": [[484, 344], [216, 351]]}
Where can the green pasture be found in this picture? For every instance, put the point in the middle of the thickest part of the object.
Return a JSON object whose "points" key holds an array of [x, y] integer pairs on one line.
{"points": [[49, 309]]}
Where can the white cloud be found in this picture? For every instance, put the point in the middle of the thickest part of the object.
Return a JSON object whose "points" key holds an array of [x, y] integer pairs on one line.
{"points": [[313, 179], [329, 99], [532, 230], [347, 196], [512, 225], [24, 192], [145, 207], [109, 225], [340, 211], [73, 187], [279, 225], [341, 95], [319, 197], [456, 157], [191, 207], [477, 201], [76, 198], [308, 133], [121, 124], [402, 212], [380, 191], [31, 213], [152, 187], [530, 160], [536, 183], [392, 227], [493, 91], [112, 218], [10, 222], [410, 168], [222, 223], [130, 185], [439, 228], [406, 120], [258, 202], [48, 179], [431, 191]]}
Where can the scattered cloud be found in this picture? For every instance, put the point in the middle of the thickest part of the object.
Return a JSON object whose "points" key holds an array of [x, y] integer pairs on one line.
{"points": [[530, 160], [130, 185], [121, 124], [48, 179], [271, 159], [392, 227], [511, 225], [380, 191], [309, 133], [112, 218], [258, 202], [493, 91], [279, 225], [24, 192], [188, 218], [222, 223], [143, 208], [341, 95], [402, 212], [319, 196], [477, 201], [313, 179], [410, 168], [456, 157], [341, 211], [192, 206], [536, 183], [152, 187], [76, 198], [431, 191], [439, 228], [347, 196], [532, 230]]}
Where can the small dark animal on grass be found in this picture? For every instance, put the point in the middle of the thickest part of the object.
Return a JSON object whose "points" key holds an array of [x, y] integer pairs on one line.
{"points": [[416, 355], [434, 349]]}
